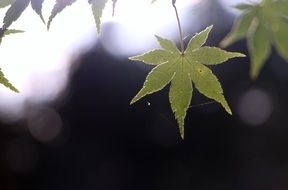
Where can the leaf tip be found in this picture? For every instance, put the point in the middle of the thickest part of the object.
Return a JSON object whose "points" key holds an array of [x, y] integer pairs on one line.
{"points": [[16, 90], [181, 127], [133, 101], [113, 7], [98, 31], [157, 37], [180, 122], [10, 86], [254, 74], [237, 54], [226, 106], [209, 28], [133, 58], [229, 111], [182, 136], [136, 98], [42, 19], [48, 25], [241, 55]]}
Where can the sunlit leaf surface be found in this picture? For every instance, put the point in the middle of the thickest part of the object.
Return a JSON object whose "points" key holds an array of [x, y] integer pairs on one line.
{"points": [[182, 70]]}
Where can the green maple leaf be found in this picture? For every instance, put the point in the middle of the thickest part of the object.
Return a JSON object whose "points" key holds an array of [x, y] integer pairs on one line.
{"points": [[264, 24], [183, 69]]}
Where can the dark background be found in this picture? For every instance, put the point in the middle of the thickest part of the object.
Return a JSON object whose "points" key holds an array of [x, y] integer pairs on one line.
{"points": [[108, 144]]}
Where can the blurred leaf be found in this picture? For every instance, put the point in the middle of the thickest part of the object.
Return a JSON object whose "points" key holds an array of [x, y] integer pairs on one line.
{"points": [[5, 3], [59, 7], [6, 82], [14, 12], [239, 29], [183, 69], [263, 24], [97, 9], [281, 8], [243, 6], [37, 7], [113, 7], [12, 31], [6, 32], [280, 32], [259, 47]]}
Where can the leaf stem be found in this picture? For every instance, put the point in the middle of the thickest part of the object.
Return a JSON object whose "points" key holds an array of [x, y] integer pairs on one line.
{"points": [[179, 26]]}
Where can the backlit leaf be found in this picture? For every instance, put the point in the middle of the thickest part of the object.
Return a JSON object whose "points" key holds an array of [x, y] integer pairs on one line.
{"points": [[183, 69]]}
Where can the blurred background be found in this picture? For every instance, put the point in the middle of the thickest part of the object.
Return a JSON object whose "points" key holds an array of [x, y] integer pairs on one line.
{"points": [[72, 127]]}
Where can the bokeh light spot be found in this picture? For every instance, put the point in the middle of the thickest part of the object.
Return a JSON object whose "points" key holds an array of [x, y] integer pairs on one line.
{"points": [[45, 124], [255, 107]]}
